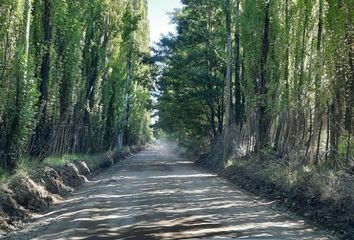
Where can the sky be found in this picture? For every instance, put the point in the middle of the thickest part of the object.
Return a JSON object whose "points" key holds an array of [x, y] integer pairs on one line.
{"points": [[159, 18]]}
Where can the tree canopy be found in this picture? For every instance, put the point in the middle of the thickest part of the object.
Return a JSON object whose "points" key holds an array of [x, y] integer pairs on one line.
{"points": [[74, 77], [291, 85]]}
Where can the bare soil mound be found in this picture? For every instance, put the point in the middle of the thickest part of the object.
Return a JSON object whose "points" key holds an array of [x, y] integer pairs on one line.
{"points": [[82, 168], [31, 195], [11, 213], [52, 181], [70, 175]]}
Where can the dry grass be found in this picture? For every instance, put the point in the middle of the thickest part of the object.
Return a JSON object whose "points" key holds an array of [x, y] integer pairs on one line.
{"points": [[330, 184], [27, 165], [320, 193]]}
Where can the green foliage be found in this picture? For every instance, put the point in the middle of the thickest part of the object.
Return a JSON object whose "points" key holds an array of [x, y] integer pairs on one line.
{"points": [[85, 46], [294, 88], [191, 85], [346, 148], [69, 158]]}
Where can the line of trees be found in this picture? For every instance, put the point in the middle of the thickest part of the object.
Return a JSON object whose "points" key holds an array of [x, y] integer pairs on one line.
{"points": [[74, 77], [285, 83]]}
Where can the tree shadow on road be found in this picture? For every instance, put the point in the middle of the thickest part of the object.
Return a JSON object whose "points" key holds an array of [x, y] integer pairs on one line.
{"points": [[152, 198]]}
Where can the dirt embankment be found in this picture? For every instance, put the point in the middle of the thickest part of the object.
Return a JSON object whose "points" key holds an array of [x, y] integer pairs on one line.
{"points": [[318, 197], [25, 196]]}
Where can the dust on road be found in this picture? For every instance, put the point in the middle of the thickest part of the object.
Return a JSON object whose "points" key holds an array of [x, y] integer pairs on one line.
{"points": [[157, 195]]}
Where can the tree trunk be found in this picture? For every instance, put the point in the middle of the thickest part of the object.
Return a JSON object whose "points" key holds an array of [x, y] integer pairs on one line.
{"points": [[124, 126], [335, 131], [283, 115], [45, 69], [14, 138], [40, 140], [227, 91], [264, 118], [317, 123], [238, 91], [349, 111], [27, 41]]}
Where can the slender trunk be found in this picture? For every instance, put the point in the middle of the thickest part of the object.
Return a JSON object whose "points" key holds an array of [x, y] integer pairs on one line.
{"points": [[334, 135], [13, 139], [287, 52], [301, 122], [264, 118], [308, 142], [40, 146], [220, 115], [328, 131], [317, 120], [279, 131], [27, 41], [45, 68], [336, 115], [303, 50], [286, 78], [210, 102], [124, 126], [349, 112], [227, 91], [319, 142], [238, 91], [6, 49], [212, 124], [243, 96]]}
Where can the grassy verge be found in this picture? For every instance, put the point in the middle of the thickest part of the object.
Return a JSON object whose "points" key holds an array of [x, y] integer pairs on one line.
{"points": [[27, 165], [69, 158], [24, 167]]}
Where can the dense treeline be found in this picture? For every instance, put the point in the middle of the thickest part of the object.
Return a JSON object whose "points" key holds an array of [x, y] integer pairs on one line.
{"points": [[274, 75], [74, 77]]}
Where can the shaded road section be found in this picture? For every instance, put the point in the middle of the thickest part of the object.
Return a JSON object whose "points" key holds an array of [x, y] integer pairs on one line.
{"points": [[157, 195]]}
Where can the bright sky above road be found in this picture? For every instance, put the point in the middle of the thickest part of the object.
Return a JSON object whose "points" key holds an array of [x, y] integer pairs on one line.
{"points": [[159, 18]]}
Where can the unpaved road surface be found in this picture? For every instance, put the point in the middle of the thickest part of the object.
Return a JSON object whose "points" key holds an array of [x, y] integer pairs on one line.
{"points": [[157, 195]]}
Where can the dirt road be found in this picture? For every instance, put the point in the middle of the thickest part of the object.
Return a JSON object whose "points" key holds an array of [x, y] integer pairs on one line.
{"points": [[156, 195]]}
